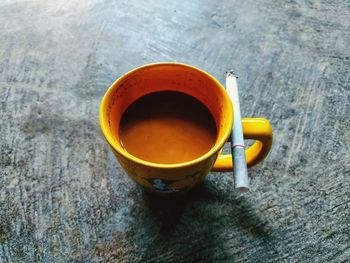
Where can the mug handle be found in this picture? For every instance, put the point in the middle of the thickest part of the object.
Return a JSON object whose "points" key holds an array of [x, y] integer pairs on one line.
{"points": [[258, 129]]}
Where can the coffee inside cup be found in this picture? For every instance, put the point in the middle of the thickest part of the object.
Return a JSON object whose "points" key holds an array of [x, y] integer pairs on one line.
{"points": [[167, 127]]}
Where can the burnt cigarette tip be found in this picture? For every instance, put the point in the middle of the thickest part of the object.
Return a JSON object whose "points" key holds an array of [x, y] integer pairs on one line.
{"points": [[231, 73]]}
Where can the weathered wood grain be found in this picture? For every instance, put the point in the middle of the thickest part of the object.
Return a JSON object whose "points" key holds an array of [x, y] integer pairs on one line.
{"points": [[63, 197]]}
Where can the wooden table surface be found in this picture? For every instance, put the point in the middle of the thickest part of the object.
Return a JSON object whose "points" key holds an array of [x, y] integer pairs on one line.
{"points": [[63, 196]]}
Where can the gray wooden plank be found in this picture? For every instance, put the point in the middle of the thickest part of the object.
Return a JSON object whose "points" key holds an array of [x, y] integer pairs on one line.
{"points": [[64, 198]]}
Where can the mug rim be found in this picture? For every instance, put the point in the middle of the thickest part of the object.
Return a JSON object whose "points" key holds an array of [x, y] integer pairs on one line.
{"points": [[216, 148]]}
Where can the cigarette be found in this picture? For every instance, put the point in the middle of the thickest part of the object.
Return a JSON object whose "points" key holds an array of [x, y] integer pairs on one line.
{"points": [[237, 141]]}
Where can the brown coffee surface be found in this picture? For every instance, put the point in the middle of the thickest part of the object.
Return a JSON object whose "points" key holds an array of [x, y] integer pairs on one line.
{"points": [[167, 127]]}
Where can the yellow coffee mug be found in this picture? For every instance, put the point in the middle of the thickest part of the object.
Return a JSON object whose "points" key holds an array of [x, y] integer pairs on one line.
{"points": [[173, 178]]}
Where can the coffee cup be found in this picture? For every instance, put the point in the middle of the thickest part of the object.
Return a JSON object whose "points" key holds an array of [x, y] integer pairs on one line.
{"points": [[178, 177]]}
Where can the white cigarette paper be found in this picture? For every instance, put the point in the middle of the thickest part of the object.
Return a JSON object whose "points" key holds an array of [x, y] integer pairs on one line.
{"points": [[237, 140]]}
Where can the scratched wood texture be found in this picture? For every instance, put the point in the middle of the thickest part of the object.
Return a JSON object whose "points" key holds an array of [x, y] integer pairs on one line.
{"points": [[64, 198]]}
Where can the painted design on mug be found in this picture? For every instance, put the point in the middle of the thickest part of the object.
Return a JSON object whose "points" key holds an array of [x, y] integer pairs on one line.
{"points": [[173, 186], [162, 185]]}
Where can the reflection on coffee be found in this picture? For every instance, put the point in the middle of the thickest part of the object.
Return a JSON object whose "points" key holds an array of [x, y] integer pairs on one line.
{"points": [[167, 127]]}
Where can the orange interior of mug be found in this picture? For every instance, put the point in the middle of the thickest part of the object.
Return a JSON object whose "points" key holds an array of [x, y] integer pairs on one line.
{"points": [[165, 77]]}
